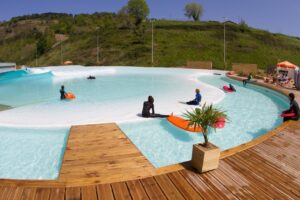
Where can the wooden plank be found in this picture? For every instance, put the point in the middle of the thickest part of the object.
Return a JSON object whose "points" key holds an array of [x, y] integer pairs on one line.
{"points": [[3, 192], [104, 192], [28, 193], [120, 191], [217, 186], [183, 186], [42, 194], [201, 187], [152, 188], [274, 176], [136, 190], [18, 193], [89, 193], [232, 186], [11, 192], [251, 174], [288, 170], [7, 192], [168, 187], [254, 189], [57, 194], [73, 193]]}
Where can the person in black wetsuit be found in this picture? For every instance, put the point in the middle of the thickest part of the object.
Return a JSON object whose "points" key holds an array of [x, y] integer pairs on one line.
{"points": [[294, 108], [91, 77], [232, 87], [197, 99], [149, 105], [62, 92], [248, 79]]}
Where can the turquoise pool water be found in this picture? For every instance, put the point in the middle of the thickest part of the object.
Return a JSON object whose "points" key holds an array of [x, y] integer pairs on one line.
{"points": [[31, 153], [12, 75], [34, 151], [252, 111]]}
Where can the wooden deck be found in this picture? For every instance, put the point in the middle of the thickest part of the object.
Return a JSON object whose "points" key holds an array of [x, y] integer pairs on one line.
{"points": [[270, 170]]}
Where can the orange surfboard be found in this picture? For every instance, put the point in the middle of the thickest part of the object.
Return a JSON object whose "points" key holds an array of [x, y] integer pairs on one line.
{"points": [[182, 123], [70, 96]]}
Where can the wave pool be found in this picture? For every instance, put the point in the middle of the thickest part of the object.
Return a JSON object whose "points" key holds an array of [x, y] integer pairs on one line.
{"points": [[34, 133]]}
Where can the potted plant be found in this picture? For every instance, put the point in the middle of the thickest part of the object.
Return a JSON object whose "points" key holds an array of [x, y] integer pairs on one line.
{"points": [[205, 157]]}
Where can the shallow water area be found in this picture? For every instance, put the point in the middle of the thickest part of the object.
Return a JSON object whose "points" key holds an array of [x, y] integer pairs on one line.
{"points": [[31, 153], [252, 111]]}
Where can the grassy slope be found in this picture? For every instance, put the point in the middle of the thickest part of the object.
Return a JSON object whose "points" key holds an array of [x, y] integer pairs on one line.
{"points": [[175, 43]]}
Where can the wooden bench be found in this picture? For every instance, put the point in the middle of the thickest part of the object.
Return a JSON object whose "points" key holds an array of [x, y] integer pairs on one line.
{"points": [[199, 64], [245, 69]]}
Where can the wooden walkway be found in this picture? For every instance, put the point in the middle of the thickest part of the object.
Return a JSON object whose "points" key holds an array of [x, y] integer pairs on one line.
{"points": [[270, 170]]}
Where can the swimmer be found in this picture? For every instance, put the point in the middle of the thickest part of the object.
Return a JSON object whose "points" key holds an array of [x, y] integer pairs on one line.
{"points": [[62, 93], [231, 87], [197, 99], [149, 105], [91, 77]]}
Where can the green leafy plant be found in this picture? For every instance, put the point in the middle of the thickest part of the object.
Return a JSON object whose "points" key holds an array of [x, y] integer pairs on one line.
{"points": [[138, 9], [204, 118], [193, 10]]}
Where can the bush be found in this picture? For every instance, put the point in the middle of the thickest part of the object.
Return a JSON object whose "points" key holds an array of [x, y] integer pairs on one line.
{"points": [[193, 10]]}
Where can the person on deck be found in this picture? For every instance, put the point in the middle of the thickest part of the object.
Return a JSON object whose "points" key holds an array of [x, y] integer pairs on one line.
{"points": [[294, 108], [197, 99], [249, 79], [62, 93], [149, 105]]}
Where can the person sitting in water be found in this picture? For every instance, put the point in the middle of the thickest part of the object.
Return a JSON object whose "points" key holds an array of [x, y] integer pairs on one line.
{"points": [[197, 99], [62, 93], [231, 87], [249, 79], [294, 108], [91, 77], [149, 105]]}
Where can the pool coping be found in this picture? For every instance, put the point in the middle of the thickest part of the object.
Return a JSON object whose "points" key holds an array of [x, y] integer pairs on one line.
{"points": [[224, 154]]}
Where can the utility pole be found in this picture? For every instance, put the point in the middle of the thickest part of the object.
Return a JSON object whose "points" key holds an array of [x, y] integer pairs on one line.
{"points": [[152, 59], [36, 56], [224, 42], [97, 44], [61, 53]]}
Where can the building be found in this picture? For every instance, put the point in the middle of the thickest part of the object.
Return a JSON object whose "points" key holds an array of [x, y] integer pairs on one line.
{"points": [[5, 67]]}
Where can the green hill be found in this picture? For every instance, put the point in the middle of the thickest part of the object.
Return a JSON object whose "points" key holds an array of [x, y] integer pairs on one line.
{"points": [[45, 36]]}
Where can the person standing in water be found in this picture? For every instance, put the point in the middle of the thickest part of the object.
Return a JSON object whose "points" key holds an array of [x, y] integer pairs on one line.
{"points": [[62, 92], [197, 99], [149, 105]]}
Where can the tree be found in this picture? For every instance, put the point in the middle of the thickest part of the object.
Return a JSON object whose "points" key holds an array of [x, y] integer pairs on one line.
{"points": [[123, 10], [138, 9], [44, 42], [193, 10], [204, 118], [243, 25]]}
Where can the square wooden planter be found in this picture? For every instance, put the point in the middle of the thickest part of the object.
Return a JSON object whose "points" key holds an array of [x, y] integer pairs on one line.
{"points": [[205, 158]]}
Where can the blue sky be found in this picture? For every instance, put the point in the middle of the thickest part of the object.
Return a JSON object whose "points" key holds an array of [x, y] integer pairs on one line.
{"points": [[280, 16]]}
